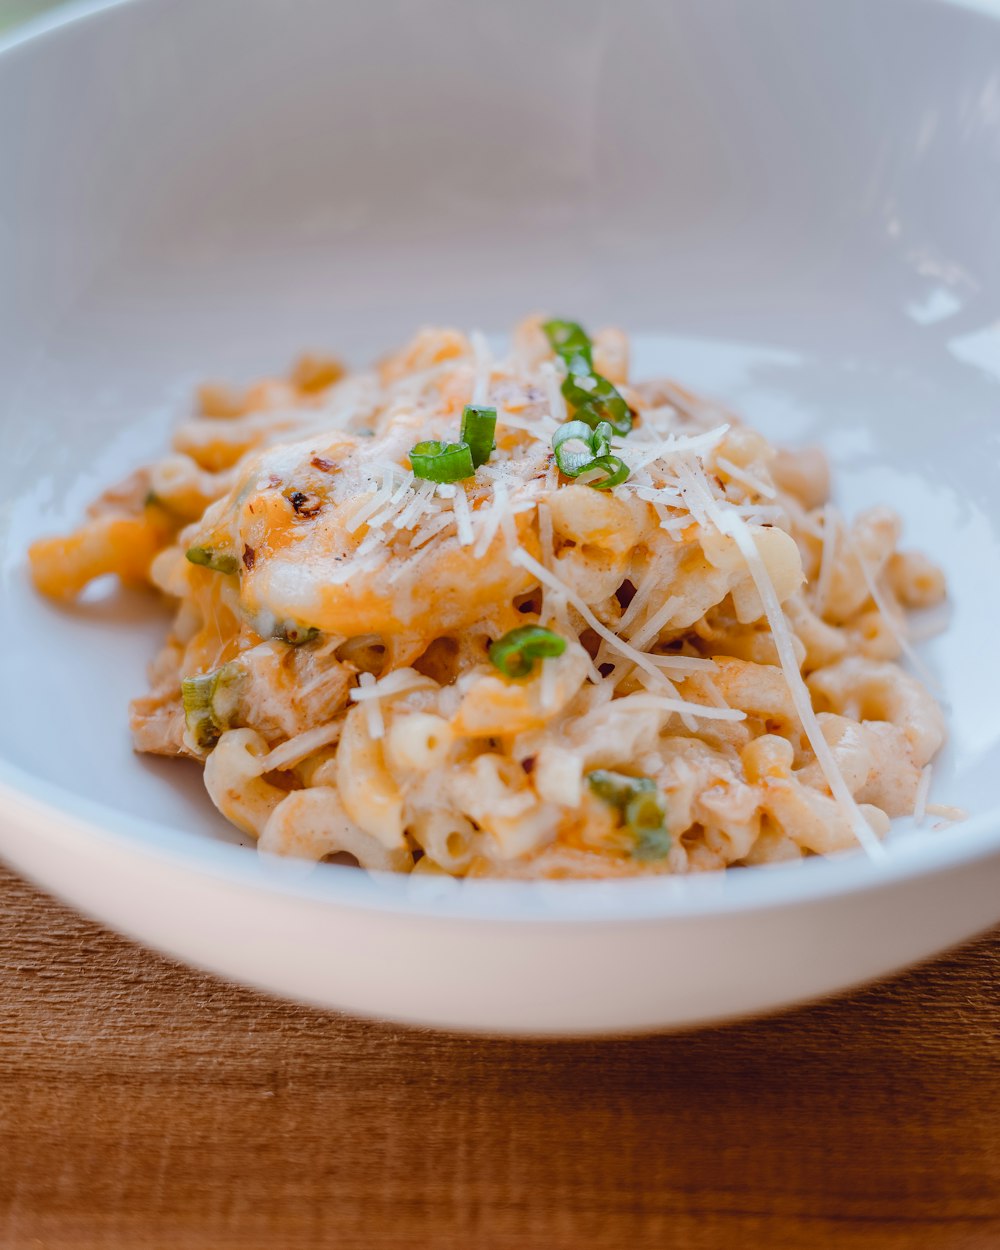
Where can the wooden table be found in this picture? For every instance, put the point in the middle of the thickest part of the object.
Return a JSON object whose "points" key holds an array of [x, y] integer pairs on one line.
{"points": [[145, 1105]]}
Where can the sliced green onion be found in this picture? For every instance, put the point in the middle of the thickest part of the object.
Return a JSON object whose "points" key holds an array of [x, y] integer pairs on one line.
{"points": [[592, 397], [218, 562], [595, 399], [614, 469], [209, 702], [642, 810], [573, 445], [442, 462], [580, 449], [571, 343], [617, 788], [478, 427], [516, 652], [646, 819]]}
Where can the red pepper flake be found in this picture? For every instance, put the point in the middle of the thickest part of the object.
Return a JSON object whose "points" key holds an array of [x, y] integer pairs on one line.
{"points": [[249, 555], [305, 503], [324, 465], [528, 764]]}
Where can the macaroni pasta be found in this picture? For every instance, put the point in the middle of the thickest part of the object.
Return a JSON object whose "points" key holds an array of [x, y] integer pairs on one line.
{"points": [[644, 644]]}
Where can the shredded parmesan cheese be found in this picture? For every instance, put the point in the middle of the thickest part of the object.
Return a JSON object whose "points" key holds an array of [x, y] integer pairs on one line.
{"points": [[745, 478], [646, 633], [374, 503], [463, 518], [557, 404], [729, 523], [889, 617], [492, 517], [398, 682], [484, 364], [296, 749], [831, 533], [638, 658]]}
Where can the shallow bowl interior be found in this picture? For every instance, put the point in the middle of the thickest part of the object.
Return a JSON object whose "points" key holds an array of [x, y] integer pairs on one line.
{"points": [[792, 205]]}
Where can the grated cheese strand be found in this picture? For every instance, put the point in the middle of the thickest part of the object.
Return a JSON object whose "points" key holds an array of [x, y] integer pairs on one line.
{"points": [[727, 522], [638, 658], [483, 367], [557, 404], [372, 505], [637, 454], [399, 681], [463, 519], [492, 516], [831, 532], [894, 627], [392, 507], [547, 686], [296, 749], [745, 479], [646, 633]]}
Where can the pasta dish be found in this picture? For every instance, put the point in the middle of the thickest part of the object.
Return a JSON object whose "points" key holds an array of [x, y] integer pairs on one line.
{"points": [[518, 616]]}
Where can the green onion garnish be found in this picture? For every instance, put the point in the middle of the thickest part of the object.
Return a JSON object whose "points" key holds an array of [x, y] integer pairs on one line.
{"points": [[516, 652], [615, 472], [478, 427], [592, 397], [442, 462], [218, 562], [642, 810], [571, 343], [578, 449], [595, 399], [209, 702], [646, 820], [575, 445]]}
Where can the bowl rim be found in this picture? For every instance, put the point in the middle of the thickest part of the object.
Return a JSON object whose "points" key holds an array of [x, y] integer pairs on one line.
{"points": [[65, 14], [914, 855]]}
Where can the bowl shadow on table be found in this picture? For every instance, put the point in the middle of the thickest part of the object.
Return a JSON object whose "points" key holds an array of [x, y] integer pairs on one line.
{"points": [[150, 1104]]}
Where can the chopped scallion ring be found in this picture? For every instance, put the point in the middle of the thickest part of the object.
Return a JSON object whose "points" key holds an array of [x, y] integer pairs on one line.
{"points": [[595, 399], [218, 562], [479, 425], [209, 701], [442, 462], [516, 652], [642, 810], [573, 445], [570, 342], [646, 819], [579, 449], [614, 471], [592, 397]]}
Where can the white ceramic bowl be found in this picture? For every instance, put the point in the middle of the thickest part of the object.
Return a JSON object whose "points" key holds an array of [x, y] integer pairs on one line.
{"points": [[792, 203]]}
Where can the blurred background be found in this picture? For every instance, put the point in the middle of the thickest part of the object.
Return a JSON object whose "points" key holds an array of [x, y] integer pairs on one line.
{"points": [[14, 11]]}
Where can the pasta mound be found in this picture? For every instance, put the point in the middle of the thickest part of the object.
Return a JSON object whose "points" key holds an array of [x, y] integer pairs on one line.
{"points": [[668, 654]]}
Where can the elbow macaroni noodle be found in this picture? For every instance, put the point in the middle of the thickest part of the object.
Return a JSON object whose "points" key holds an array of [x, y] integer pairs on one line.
{"points": [[347, 608]]}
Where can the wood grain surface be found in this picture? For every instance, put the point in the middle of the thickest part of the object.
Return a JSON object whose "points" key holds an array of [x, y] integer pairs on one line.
{"points": [[146, 1105]]}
